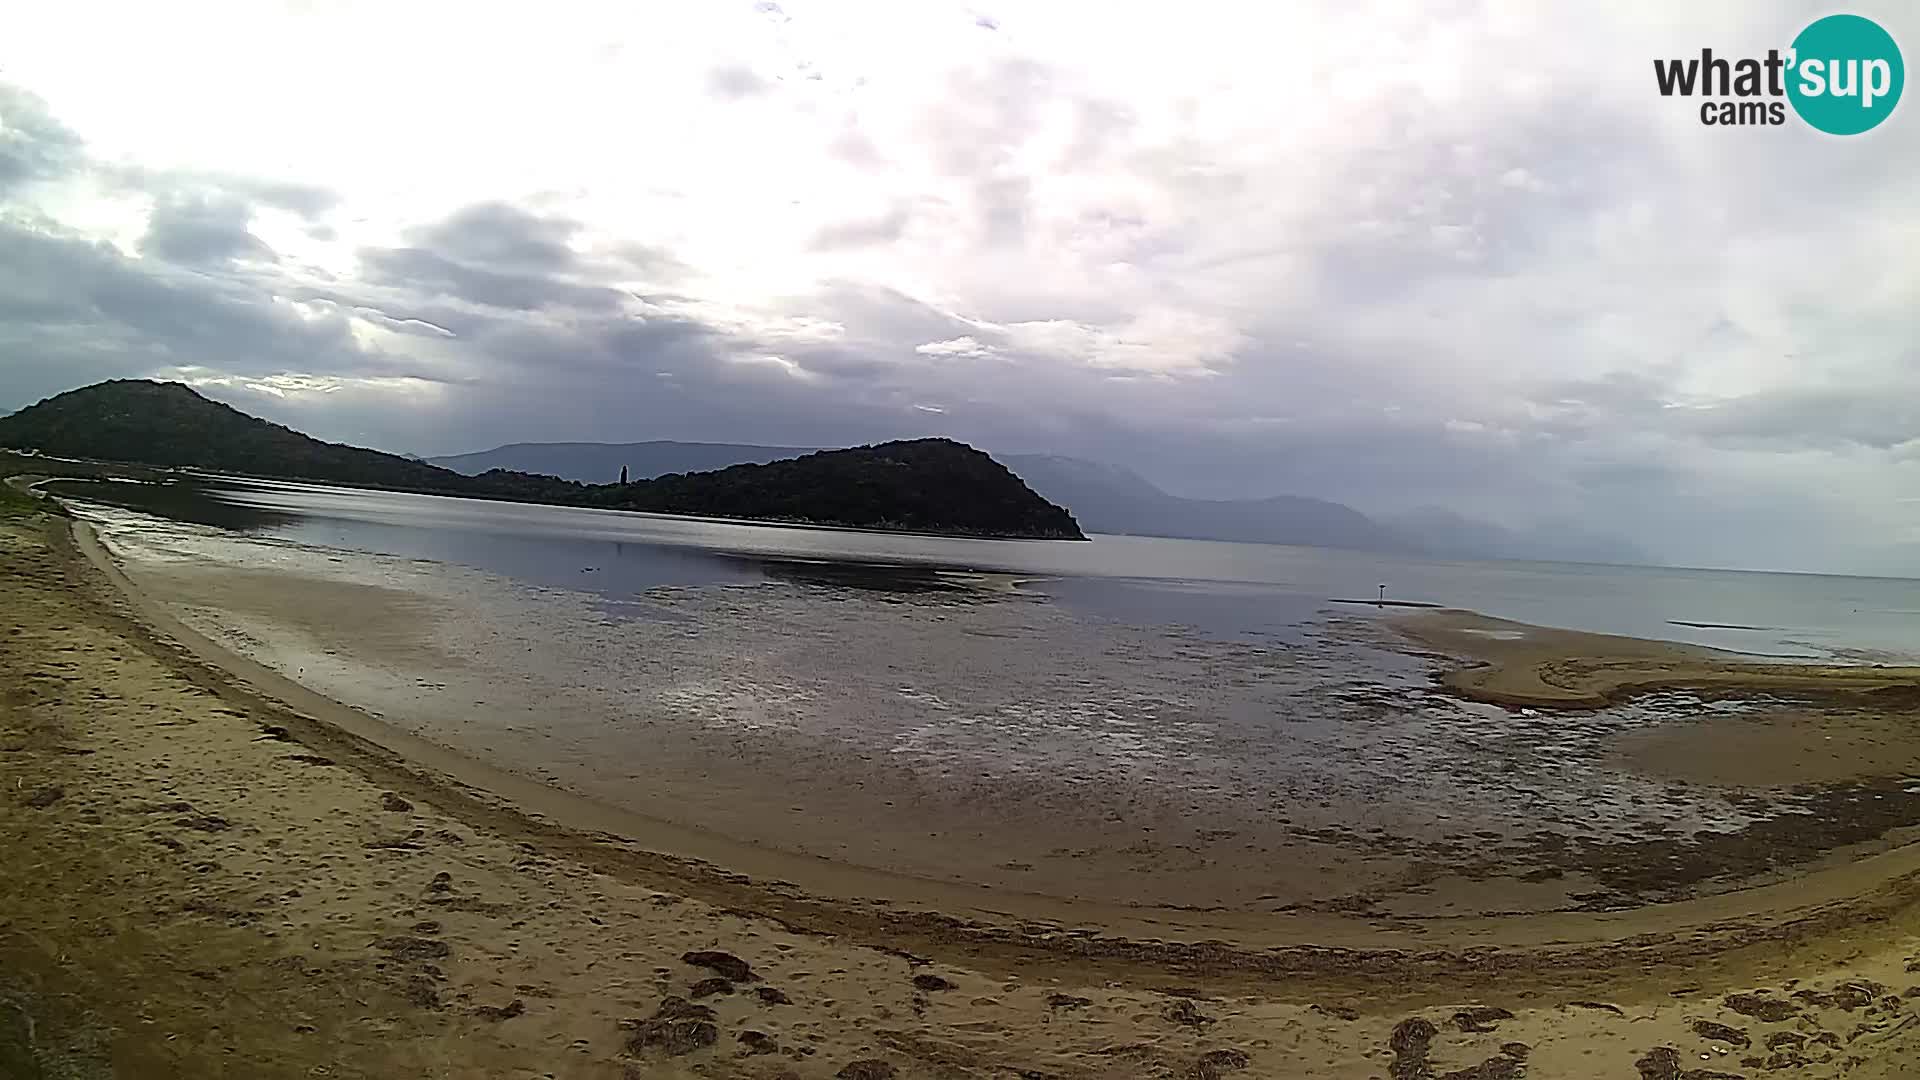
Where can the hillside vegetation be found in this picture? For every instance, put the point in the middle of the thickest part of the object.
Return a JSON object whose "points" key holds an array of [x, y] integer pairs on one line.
{"points": [[923, 485]]}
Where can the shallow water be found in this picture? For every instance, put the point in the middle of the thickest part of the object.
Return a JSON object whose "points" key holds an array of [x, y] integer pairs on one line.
{"points": [[1200, 742]]}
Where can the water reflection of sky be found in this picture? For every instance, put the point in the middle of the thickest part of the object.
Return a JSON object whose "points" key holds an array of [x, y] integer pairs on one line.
{"points": [[616, 569], [1231, 588]]}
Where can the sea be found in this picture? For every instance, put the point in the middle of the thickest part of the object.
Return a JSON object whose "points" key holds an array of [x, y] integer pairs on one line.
{"points": [[1229, 587]]}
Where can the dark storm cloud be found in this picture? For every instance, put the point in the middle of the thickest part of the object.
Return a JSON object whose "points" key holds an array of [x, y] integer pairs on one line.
{"points": [[535, 323], [428, 272], [74, 310], [502, 256], [637, 341], [682, 376], [499, 235], [586, 356], [202, 229], [33, 145], [500, 281]]}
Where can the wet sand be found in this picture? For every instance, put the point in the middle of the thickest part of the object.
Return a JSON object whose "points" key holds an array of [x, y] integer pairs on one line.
{"points": [[1780, 748], [173, 816], [1531, 666]]}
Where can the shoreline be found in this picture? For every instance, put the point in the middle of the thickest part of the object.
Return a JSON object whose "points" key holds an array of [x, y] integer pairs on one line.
{"points": [[1522, 666], [208, 881], [909, 911]]}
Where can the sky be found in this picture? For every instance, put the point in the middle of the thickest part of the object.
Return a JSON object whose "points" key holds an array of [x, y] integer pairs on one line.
{"points": [[1454, 253]]}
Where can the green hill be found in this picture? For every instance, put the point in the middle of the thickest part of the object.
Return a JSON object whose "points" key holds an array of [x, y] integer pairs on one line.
{"points": [[922, 485], [168, 424]]}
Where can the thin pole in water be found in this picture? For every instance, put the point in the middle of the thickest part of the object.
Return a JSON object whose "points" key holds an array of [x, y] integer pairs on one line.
{"points": [[1383, 594]]}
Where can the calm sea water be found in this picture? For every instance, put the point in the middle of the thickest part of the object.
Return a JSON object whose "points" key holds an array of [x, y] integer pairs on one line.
{"points": [[1213, 587]]}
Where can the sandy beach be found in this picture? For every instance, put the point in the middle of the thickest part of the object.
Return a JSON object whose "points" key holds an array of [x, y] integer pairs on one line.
{"points": [[1532, 666], [215, 870]]}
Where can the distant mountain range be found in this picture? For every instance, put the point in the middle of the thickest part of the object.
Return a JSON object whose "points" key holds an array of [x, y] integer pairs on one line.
{"points": [[1444, 534], [918, 485], [1110, 499]]}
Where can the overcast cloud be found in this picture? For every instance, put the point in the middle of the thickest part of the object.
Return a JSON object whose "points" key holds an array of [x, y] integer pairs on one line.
{"points": [[1392, 254]]}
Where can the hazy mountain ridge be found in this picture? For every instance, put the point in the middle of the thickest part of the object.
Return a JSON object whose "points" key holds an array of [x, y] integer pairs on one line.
{"points": [[923, 485], [1111, 499], [1444, 533]]}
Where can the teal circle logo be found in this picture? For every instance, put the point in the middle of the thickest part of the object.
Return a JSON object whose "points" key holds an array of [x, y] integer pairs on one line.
{"points": [[1846, 74]]}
